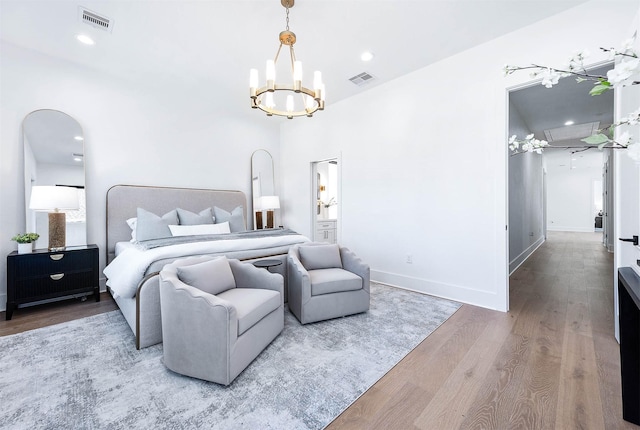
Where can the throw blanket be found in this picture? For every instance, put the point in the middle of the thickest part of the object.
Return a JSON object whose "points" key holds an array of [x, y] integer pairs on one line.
{"points": [[126, 271], [176, 240]]}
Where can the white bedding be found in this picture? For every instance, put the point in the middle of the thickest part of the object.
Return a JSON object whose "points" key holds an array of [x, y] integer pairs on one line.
{"points": [[129, 267]]}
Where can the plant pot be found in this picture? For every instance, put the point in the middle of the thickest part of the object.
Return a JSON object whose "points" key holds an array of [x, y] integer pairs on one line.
{"points": [[25, 248]]}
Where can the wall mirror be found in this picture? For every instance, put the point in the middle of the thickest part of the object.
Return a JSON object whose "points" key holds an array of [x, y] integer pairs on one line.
{"points": [[262, 183], [54, 155]]}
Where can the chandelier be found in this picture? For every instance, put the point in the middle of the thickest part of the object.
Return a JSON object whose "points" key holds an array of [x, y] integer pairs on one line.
{"points": [[264, 98]]}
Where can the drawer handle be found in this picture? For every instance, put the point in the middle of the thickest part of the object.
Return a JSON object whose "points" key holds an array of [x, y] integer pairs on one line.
{"points": [[57, 276], [56, 257]]}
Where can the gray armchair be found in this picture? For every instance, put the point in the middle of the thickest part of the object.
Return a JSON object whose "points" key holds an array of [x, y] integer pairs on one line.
{"points": [[326, 281], [218, 315]]}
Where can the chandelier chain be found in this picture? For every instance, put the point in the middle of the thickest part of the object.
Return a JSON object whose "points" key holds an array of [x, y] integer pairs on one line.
{"points": [[287, 18]]}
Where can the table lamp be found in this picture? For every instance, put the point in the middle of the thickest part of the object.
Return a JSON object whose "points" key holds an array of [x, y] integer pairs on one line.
{"points": [[269, 203], [53, 199]]}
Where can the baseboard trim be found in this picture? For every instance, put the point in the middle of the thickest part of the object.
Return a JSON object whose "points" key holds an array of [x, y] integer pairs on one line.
{"points": [[517, 262], [3, 302], [438, 289], [573, 229]]}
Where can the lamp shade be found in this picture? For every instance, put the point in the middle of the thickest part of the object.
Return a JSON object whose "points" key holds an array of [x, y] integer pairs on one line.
{"points": [[269, 202], [48, 197]]}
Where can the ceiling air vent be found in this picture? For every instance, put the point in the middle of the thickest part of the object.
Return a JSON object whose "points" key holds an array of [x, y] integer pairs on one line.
{"points": [[571, 132], [362, 78], [94, 20]]}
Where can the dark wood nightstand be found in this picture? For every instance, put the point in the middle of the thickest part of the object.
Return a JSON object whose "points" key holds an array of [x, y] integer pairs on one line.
{"points": [[45, 275]]}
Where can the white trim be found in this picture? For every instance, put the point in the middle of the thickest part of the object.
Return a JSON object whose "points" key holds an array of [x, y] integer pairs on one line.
{"points": [[456, 293], [517, 262], [574, 229]]}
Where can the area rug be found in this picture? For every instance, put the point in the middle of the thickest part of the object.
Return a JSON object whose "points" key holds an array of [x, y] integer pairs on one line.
{"points": [[87, 374]]}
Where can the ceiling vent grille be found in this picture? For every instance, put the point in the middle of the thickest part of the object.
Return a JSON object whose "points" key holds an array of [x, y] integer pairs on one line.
{"points": [[95, 20], [571, 132], [362, 78]]}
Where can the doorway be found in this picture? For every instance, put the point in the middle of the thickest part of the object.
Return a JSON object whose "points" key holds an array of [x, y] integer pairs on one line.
{"points": [[325, 202], [537, 201]]}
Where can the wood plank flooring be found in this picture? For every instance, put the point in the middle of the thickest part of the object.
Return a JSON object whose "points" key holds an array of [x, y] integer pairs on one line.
{"points": [[32, 317], [551, 362]]}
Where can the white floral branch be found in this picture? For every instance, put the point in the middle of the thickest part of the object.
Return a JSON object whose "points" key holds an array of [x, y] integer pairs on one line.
{"points": [[624, 73]]}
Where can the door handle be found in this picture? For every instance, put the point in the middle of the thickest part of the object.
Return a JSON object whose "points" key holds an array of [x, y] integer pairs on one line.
{"points": [[634, 239]]}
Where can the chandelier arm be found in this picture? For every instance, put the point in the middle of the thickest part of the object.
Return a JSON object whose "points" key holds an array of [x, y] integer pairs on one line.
{"points": [[275, 60]]}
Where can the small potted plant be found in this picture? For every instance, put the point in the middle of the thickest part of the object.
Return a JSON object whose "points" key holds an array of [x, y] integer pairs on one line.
{"points": [[25, 242]]}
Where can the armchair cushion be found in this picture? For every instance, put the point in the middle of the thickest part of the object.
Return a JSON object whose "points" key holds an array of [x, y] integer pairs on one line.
{"points": [[328, 281], [251, 305], [315, 257], [212, 276]]}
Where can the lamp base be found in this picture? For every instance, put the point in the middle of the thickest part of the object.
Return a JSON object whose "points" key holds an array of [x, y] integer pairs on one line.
{"points": [[269, 219], [259, 224], [57, 231]]}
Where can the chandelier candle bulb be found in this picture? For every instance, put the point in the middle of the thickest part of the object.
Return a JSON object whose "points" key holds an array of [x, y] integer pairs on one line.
{"points": [[253, 79], [271, 75], [317, 80], [297, 76]]}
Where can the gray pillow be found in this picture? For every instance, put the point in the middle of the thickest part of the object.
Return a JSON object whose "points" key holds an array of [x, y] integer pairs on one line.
{"points": [[189, 218], [315, 257], [150, 226], [235, 218], [212, 276]]}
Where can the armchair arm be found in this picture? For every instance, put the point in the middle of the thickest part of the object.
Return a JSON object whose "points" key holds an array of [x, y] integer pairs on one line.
{"points": [[249, 276], [354, 264], [298, 280]]}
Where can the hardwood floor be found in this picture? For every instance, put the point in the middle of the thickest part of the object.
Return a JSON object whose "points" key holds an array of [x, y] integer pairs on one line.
{"points": [[29, 318], [551, 362]]}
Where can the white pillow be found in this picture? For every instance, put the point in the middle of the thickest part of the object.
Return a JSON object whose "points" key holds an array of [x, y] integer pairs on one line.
{"points": [[131, 222], [193, 230]]}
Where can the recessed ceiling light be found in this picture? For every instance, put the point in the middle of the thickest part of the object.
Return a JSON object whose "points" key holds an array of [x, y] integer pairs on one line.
{"points": [[366, 56], [568, 122], [79, 138], [85, 39]]}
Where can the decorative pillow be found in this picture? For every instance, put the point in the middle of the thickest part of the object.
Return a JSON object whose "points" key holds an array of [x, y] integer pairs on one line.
{"points": [[212, 276], [131, 222], [315, 257], [235, 218], [194, 230], [150, 226], [189, 218]]}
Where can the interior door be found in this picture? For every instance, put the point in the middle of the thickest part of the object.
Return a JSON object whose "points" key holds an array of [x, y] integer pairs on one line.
{"points": [[626, 191]]}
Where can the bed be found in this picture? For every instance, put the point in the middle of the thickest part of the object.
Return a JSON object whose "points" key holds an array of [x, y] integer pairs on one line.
{"points": [[133, 267]]}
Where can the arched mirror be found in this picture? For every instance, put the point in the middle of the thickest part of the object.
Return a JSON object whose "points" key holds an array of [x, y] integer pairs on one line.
{"points": [[262, 188], [54, 156]]}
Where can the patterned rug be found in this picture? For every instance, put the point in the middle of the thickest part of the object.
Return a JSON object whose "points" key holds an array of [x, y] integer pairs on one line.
{"points": [[87, 374]]}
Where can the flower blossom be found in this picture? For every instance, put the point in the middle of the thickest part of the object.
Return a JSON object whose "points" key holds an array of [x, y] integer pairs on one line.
{"points": [[633, 151], [621, 73], [632, 119], [550, 77], [624, 139]]}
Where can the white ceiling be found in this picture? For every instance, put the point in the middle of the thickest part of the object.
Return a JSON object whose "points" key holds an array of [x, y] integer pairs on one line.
{"points": [[207, 47], [549, 108]]}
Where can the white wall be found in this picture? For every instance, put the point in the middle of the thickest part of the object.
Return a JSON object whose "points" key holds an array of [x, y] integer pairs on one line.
{"points": [[570, 191], [526, 206], [424, 160], [133, 135]]}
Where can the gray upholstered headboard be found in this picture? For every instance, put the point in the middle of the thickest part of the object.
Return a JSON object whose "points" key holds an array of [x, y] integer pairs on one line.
{"points": [[124, 200]]}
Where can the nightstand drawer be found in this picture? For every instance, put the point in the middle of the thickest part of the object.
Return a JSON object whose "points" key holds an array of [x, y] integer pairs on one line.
{"points": [[53, 285], [58, 262]]}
